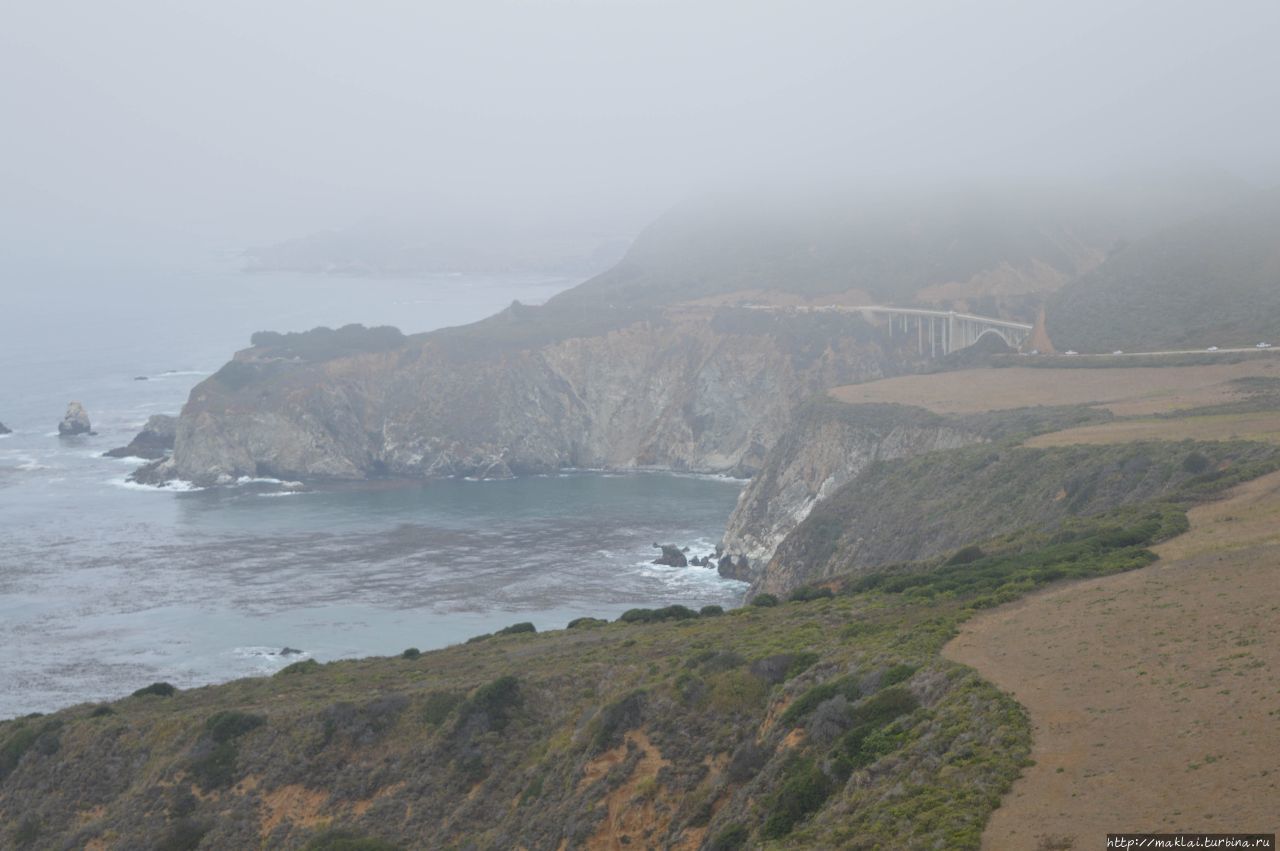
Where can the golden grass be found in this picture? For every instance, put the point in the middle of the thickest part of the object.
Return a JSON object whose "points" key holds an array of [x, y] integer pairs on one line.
{"points": [[1137, 391]]}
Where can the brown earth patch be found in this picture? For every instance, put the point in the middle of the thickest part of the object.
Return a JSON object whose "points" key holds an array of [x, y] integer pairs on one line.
{"points": [[295, 804], [91, 814], [359, 808], [1152, 694], [638, 809], [771, 717], [1136, 391]]}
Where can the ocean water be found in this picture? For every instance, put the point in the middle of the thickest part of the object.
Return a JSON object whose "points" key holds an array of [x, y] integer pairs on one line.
{"points": [[107, 586]]}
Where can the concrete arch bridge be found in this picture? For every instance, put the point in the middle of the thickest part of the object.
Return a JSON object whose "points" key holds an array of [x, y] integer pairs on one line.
{"points": [[937, 333]]}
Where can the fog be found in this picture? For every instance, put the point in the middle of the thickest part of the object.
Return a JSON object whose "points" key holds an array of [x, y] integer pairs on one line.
{"points": [[145, 129]]}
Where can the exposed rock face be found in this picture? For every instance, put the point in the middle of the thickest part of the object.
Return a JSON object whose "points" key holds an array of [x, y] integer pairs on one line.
{"points": [[75, 422], [154, 441], [924, 507], [5, 430], [829, 444], [709, 392], [672, 556]]}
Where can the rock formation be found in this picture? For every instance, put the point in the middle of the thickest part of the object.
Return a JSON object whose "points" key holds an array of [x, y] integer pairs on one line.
{"points": [[75, 422], [154, 441], [708, 392], [5, 429], [829, 444], [672, 556]]}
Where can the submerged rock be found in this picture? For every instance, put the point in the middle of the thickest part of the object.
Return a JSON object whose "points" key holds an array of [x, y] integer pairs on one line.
{"points": [[76, 421], [155, 439], [672, 556]]}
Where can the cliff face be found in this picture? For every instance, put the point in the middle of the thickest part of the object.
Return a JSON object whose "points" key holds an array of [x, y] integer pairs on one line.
{"points": [[921, 508], [708, 393], [829, 444]]}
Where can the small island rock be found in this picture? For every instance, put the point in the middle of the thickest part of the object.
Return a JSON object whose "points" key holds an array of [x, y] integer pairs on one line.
{"points": [[75, 422], [672, 556]]}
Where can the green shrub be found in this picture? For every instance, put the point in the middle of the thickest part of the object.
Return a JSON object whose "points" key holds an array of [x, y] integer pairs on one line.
{"points": [[411, 653], [667, 613], [731, 838], [616, 718], [737, 691], [438, 706], [1196, 463], [306, 666], [342, 840], [183, 835], [230, 724], [967, 555], [896, 674], [27, 832], [158, 689], [495, 701], [517, 628], [711, 611], [764, 600], [807, 702], [100, 711], [804, 791], [800, 663], [585, 623], [215, 768], [805, 593]]}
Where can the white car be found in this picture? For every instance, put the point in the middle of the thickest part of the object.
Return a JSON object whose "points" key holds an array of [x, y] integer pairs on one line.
{"points": [[1263, 346], [1212, 349], [1118, 352], [1071, 353]]}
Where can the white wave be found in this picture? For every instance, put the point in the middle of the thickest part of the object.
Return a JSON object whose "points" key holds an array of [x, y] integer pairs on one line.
{"points": [[172, 373], [175, 486], [258, 480], [282, 493]]}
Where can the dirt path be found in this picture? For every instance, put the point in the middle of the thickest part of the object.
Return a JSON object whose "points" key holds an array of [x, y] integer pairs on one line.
{"points": [[1154, 695]]}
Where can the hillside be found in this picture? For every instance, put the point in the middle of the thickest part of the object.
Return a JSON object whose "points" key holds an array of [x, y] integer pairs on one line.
{"points": [[652, 363], [1214, 281], [829, 720]]}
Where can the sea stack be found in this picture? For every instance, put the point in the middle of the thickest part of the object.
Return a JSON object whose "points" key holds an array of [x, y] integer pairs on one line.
{"points": [[75, 422], [154, 441], [5, 429]]}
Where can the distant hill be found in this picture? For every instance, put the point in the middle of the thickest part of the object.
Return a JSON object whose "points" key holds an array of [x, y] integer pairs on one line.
{"points": [[1213, 281], [996, 250]]}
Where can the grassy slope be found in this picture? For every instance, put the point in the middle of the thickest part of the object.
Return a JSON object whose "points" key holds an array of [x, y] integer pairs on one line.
{"points": [[1212, 281], [828, 723]]}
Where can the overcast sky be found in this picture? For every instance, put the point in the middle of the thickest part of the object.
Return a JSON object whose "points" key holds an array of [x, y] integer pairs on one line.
{"points": [[223, 124]]}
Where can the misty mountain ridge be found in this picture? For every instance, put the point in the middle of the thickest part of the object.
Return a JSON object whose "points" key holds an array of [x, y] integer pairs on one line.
{"points": [[1214, 280], [445, 244]]}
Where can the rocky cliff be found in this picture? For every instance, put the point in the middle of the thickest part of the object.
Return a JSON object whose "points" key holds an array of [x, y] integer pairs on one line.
{"points": [[829, 444], [920, 508], [703, 391]]}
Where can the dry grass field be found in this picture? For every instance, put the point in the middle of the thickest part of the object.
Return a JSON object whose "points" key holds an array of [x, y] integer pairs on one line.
{"points": [[1263, 426], [1127, 392], [1154, 695]]}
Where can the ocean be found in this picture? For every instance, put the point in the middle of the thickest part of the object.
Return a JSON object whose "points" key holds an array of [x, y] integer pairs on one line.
{"points": [[106, 586]]}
